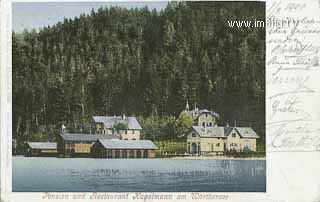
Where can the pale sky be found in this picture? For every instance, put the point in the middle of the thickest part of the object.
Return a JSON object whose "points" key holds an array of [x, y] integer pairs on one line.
{"points": [[39, 14]]}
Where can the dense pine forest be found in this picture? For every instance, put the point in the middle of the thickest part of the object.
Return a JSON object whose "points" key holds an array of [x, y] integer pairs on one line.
{"points": [[140, 62]]}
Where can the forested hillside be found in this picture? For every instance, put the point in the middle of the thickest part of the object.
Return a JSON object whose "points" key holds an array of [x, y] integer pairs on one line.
{"points": [[140, 62]]}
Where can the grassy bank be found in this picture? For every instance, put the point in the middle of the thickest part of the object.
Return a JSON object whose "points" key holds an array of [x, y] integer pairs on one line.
{"points": [[171, 148]]}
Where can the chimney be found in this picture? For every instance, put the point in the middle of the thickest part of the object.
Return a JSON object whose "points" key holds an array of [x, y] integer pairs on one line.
{"points": [[123, 117], [227, 124], [235, 123]]}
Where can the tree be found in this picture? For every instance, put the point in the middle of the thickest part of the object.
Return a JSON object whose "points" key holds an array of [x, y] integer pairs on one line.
{"points": [[183, 123], [120, 126], [136, 61]]}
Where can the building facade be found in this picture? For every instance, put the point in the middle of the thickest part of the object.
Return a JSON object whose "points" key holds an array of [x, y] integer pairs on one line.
{"points": [[106, 125], [123, 149], [207, 138], [218, 140]]}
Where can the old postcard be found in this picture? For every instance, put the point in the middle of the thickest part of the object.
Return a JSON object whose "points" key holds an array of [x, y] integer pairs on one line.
{"points": [[160, 101]]}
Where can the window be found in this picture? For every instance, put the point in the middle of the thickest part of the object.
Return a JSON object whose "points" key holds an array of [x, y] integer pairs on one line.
{"points": [[117, 153], [233, 135], [231, 144], [125, 131], [218, 144], [138, 153], [131, 154], [206, 115], [133, 138], [211, 147], [210, 123], [145, 153], [203, 124], [124, 154], [132, 131], [194, 135], [109, 154]]}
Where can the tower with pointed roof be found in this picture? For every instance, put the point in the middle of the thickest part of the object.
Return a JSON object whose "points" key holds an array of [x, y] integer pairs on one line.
{"points": [[187, 106]]}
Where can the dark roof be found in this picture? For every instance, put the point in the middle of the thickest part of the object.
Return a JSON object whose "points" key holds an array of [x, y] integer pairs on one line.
{"points": [[42, 145], [209, 131], [227, 130], [247, 132], [86, 137], [244, 132], [196, 113], [127, 144], [109, 121]]}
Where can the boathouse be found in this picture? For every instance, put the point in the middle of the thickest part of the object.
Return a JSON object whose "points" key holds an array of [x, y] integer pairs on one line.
{"points": [[41, 149], [104, 148], [78, 145]]}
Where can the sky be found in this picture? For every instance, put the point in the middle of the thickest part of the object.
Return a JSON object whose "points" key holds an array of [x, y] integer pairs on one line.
{"points": [[35, 15]]}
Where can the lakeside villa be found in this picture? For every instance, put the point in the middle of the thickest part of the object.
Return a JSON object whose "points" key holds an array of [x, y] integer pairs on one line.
{"points": [[207, 138], [105, 125]]}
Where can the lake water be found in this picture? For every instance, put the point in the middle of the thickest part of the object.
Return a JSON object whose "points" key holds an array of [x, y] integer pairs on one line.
{"points": [[35, 174]]}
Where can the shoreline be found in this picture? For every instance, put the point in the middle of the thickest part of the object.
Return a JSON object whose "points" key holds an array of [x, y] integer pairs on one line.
{"points": [[167, 158], [215, 158]]}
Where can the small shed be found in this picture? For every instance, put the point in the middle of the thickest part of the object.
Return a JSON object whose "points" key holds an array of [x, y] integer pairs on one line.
{"points": [[41, 149], [123, 149]]}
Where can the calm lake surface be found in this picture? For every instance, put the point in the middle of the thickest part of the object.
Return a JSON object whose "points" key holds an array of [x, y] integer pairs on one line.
{"points": [[35, 174]]}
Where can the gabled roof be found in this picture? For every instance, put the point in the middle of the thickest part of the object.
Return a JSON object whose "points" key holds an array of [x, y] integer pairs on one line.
{"points": [[209, 131], [86, 137], [227, 130], [244, 132], [196, 113], [127, 144], [247, 132], [42, 145], [109, 121]]}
